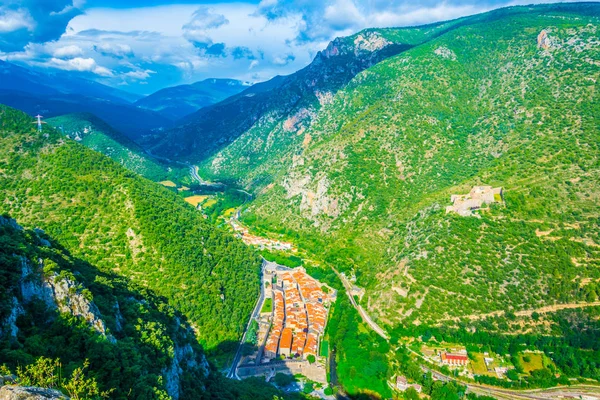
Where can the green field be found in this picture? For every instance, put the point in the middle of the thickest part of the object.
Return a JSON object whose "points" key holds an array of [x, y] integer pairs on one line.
{"points": [[324, 348], [535, 361], [267, 306], [477, 365]]}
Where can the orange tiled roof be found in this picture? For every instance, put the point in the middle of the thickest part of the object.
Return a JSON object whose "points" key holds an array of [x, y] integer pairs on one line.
{"points": [[286, 339]]}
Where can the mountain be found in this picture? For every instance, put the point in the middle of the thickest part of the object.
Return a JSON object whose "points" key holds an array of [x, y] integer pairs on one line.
{"points": [[361, 180], [96, 134], [507, 101], [55, 93], [126, 225], [178, 101], [62, 308], [16, 78], [129, 119], [296, 97], [61, 317]]}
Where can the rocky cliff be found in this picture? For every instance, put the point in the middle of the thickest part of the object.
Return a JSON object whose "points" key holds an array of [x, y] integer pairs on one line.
{"points": [[29, 393]]}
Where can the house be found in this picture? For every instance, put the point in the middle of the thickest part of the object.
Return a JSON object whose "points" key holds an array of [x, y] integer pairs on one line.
{"points": [[454, 359], [464, 204], [285, 345], [402, 384]]}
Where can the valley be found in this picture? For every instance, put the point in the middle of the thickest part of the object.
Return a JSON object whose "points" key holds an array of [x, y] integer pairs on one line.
{"points": [[413, 214]]}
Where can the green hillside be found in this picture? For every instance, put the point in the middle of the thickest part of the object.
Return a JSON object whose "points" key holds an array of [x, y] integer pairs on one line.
{"points": [[268, 115], [365, 184], [133, 359], [124, 360], [96, 134], [127, 225]]}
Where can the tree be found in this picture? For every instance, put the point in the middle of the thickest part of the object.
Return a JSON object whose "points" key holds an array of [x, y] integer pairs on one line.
{"points": [[411, 394], [283, 380]]}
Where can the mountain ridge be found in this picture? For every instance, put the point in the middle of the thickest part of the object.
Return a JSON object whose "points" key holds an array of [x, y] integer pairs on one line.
{"points": [[179, 101]]}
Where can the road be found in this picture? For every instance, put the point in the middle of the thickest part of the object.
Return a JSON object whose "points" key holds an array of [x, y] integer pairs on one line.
{"points": [[196, 177], [238, 355], [499, 393], [366, 318]]}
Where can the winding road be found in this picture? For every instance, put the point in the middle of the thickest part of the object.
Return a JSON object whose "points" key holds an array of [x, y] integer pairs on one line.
{"points": [[366, 318]]}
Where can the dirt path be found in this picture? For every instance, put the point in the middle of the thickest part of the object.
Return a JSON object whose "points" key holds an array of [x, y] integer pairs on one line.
{"points": [[524, 313]]}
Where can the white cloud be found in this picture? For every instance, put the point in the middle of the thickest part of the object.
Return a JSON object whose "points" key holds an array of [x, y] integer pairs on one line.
{"points": [[118, 50], [79, 64], [12, 20], [172, 44], [139, 75], [68, 51]]}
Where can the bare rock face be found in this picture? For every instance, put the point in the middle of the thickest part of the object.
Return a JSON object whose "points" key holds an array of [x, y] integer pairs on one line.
{"points": [[56, 292], [29, 393], [69, 299], [31, 285], [370, 42], [445, 53], [543, 41], [184, 357]]}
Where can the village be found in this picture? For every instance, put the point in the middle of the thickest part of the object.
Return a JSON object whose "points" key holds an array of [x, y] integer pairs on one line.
{"points": [[253, 240], [291, 324]]}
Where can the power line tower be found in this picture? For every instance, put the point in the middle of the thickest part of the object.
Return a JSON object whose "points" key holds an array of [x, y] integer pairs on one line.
{"points": [[39, 122]]}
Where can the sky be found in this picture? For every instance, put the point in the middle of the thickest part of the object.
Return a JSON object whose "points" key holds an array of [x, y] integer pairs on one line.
{"points": [[144, 45]]}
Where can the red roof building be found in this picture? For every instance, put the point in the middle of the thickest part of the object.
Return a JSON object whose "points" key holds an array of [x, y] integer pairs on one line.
{"points": [[454, 359]]}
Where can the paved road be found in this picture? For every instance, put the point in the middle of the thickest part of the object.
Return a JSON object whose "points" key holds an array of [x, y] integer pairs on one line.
{"points": [[238, 355], [379, 330], [196, 177]]}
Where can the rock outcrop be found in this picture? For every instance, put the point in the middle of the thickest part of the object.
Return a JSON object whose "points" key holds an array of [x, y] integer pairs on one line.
{"points": [[543, 41], [70, 299], [55, 291], [29, 393], [184, 357]]}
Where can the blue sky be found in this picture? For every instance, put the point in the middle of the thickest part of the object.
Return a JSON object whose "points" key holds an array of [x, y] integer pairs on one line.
{"points": [[142, 46]]}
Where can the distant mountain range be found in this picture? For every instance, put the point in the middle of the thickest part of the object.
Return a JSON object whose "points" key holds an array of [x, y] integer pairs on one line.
{"points": [[58, 93], [20, 79], [178, 101]]}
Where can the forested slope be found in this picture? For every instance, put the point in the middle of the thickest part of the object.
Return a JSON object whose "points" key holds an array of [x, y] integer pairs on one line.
{"points": [[47, 300], [61, 316], [127, 225], [509, 99], [96, 134]]}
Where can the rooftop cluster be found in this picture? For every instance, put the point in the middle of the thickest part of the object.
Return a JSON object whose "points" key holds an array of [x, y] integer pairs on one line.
{"points": [[299, 314]]}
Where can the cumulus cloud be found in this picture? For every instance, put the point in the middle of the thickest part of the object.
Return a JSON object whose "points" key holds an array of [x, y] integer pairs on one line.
{"points": [[197, 29], [284, 59], [116, 50], [15, 19], [80, 64], [139, 75], [68, 51]]}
